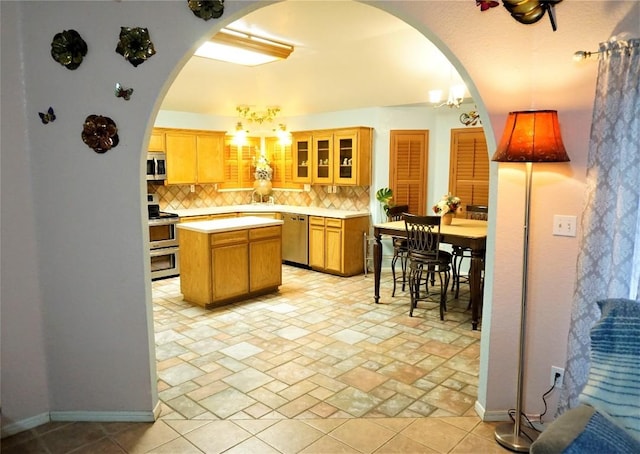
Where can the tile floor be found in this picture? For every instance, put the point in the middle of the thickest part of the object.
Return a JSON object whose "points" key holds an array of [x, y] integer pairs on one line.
{"points": [[314, 368]]}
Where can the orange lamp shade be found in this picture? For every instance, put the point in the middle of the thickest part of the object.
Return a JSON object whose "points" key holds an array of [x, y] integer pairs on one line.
{"points": [[531, 136]]}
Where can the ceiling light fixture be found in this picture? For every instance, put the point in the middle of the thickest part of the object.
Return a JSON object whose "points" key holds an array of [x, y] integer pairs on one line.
{"points": [[240, 135], [455, 98], [258, 117], [243, 48]]}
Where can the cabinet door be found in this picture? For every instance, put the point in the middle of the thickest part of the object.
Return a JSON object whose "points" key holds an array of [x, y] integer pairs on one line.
{"points": [[229, 271], [181, 158], [323, 158], [302, 157], [334, 246], [265, 264], [210, 158], [316, 242], [156, 141], [346, 158]]}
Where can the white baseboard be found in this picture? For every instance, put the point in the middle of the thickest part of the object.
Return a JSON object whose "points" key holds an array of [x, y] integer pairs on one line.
{"points": [[25, 424], [93, 416], [104, 416], [488, 416], [503, 415]]}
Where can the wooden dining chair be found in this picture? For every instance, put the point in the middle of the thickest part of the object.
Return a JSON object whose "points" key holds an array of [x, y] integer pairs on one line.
{"points": [[400, 251], [426, 260], [478, 212]]}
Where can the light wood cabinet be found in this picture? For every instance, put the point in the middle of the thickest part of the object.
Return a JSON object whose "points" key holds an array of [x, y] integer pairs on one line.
{"points": [[339, 157], [352, 157], [156, 141], [301, 144], [265, 258], [194, 157], [336, 245], [219, 268]]}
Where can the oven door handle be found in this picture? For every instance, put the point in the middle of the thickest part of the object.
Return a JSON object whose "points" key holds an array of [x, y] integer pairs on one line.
{"points": [[163, 251]]}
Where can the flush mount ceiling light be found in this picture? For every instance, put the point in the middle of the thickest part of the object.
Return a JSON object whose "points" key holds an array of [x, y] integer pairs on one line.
{"points": [[243, 48]]}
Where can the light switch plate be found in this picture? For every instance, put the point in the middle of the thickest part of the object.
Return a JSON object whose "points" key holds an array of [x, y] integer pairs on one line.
{"points": [[564, 225]]}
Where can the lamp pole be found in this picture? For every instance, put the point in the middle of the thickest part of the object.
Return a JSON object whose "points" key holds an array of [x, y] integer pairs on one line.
{"points": [[512, 435]]}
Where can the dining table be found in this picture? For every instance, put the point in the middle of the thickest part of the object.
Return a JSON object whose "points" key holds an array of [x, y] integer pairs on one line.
{"points": [[468, 233]]}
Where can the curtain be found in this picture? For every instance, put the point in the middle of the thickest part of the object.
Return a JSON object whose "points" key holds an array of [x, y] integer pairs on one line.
{"points": [[609, 250]]}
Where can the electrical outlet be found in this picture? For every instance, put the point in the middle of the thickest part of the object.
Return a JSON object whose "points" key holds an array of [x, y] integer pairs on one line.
{"points": [[564, 225], [559, 382]]}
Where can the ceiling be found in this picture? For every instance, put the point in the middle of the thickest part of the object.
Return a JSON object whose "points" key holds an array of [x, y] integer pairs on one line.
{"points": [[347, 55]]}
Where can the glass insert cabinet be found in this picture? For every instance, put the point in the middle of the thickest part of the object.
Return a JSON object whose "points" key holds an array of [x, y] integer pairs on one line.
{"points": [[339, 157]]}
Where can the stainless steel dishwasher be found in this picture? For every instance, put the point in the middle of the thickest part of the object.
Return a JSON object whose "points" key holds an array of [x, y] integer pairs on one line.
{"points": [[295, 238]]}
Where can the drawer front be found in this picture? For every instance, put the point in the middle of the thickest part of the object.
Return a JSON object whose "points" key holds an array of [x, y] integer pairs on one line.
{"points": [[265, 232], [316, 220], [333, 222], [224, 238]]}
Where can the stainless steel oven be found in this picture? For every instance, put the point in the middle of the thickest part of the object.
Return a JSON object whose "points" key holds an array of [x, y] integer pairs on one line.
{"points": [[162, 231], [163, 241], [165, 262]]}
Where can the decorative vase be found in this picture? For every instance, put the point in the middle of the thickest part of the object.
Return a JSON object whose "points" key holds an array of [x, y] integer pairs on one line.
{"points": [[447, 218], [262, 187]]}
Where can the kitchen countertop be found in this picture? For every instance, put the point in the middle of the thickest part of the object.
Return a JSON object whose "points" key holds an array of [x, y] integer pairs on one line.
{"points": [[229, 224], [267, 208]]}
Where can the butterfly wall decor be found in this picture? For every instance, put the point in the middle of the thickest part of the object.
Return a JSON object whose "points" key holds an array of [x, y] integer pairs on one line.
{"points": [[47, 117], [122, 92], [485, 5]]}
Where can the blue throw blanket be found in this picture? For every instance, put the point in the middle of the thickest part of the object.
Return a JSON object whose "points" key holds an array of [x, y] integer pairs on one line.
{"points": [[601, 436], [613, 386]]}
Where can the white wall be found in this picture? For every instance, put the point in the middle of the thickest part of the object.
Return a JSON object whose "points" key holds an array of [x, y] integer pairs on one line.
{"points": [[75, 231]]}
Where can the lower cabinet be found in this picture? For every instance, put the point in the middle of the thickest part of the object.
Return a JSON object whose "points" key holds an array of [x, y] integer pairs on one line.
{"points": [[336, 245], [219, 268]]}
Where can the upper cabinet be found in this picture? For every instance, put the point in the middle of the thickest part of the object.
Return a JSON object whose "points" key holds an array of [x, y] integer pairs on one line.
{"points": [[301, 150], [339, 157], [194, 157], [156, 141]]}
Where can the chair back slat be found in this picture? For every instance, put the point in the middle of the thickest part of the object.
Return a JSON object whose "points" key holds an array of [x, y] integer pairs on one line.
{"points": [[478, 212], [423, 235], [395, 213]]}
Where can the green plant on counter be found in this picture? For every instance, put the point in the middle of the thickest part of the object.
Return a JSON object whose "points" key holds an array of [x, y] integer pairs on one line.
{"points": [[385, 197]]}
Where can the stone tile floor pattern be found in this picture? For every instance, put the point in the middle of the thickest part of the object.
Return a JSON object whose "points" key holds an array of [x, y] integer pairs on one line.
{"points": [[314, 368]]}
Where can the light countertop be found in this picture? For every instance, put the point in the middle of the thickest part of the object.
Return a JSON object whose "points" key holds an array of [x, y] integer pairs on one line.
{"points": [[229, 224], [267, 208]]}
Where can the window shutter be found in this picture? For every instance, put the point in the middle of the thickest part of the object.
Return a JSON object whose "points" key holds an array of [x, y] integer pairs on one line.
{"points": [[408, 168], [469, 169]]}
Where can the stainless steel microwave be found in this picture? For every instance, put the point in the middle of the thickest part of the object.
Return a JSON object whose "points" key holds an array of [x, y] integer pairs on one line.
{"points": [[156, 166]]}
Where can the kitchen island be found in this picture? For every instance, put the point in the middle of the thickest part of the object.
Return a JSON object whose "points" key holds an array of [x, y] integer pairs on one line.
{"points": [[227, 260]]}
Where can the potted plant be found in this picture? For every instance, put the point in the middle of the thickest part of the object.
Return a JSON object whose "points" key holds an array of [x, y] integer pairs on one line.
{"points": [[385, 197]]}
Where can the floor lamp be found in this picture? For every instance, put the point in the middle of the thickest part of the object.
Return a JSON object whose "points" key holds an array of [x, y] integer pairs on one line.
{"points": [[529, 136]]}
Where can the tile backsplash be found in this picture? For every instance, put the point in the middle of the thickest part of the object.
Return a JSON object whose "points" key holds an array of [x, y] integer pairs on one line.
{"points": [[180, 197]]}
